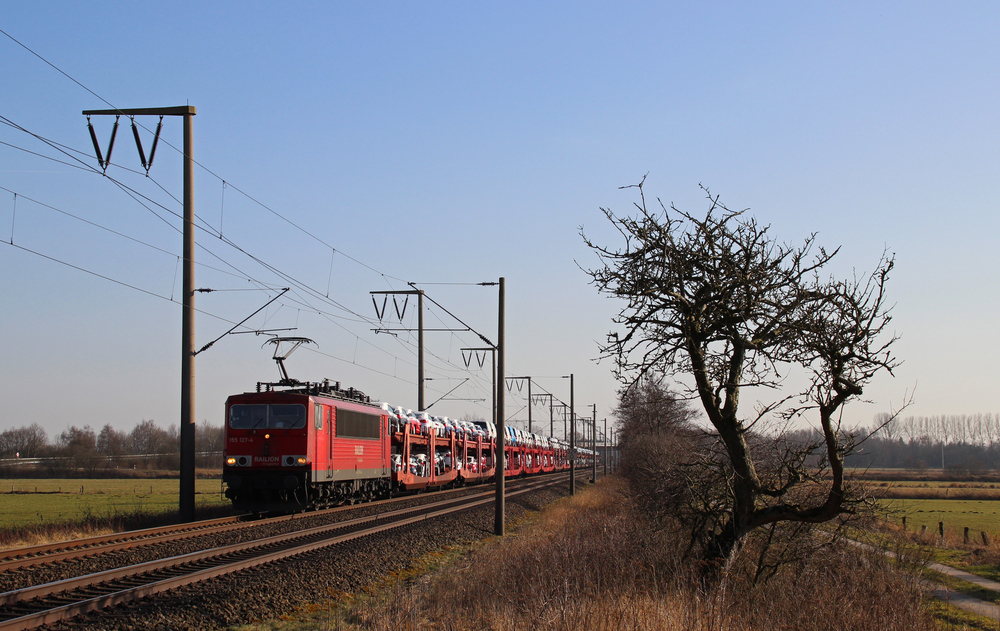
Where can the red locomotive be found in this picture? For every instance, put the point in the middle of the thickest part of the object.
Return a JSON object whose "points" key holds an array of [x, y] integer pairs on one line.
{"points": [[294, 446]]}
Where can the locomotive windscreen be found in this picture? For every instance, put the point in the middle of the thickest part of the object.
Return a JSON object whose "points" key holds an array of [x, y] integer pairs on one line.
{"points": [[260, 416], [351, 424]]}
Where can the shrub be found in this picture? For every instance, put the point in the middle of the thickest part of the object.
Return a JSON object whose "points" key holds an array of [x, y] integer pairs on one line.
{"points": [[596, 562]]}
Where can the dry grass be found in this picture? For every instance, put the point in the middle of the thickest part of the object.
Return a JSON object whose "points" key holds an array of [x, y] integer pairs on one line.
{"points": [[594, 563], [952, 549], [953, 539], [925, 475], [937, 493], [111, 520]]}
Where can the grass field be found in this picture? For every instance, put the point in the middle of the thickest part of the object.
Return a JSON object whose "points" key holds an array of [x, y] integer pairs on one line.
{"points": [[30, 502], [969, 503], [977, 515]]}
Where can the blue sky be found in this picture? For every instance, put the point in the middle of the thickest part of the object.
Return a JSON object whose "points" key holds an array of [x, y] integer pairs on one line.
{"points": [[457, 143]]}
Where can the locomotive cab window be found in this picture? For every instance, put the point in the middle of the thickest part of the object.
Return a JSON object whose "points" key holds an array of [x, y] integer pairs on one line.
{"points": [[286, 416], [259, 416], [351, 424], [248, 416]]}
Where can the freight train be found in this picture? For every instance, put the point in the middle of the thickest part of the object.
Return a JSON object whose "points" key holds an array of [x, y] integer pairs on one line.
{"points": [[298, 445]]}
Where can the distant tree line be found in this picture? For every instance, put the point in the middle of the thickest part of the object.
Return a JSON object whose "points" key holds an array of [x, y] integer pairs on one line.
{"points": [[962, 443], [971, 429], [82, 451]]}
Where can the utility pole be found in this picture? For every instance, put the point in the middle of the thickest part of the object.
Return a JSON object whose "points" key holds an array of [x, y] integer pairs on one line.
{"points": [[564, 409], [493, 376], [572, 440], [551, 418], [529, 405], [614, 435], [593, 440], [593, 435], [501, 463], [187, 463], [606, 455], [512, 380], [186, 497], [420, 349], [419, 293]]}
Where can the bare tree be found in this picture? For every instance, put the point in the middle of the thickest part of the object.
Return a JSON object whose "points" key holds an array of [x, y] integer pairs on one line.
{"points": [[945, 429], [111, 442], [26, 442], [649, 407], [78, 445], [888, 426], [210, 438], [148, 438], [910, 429], [991, 429], [720, 302], [656, 438], [78, 439]]}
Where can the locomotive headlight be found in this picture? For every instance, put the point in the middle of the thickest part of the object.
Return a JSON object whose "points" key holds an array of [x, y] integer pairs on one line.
{"points": [[266, 436], [230, 461], [302, 459]]}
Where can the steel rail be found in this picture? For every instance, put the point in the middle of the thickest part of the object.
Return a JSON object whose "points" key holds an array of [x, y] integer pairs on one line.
{"points": [[264, 551]]}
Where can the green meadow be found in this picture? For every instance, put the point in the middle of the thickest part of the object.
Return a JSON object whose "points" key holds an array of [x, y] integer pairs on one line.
{"points": [[977, 515], [30, 502]]}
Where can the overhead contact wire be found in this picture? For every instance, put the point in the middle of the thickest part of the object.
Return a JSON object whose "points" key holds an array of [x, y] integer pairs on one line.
{"points": [[132, 193]]}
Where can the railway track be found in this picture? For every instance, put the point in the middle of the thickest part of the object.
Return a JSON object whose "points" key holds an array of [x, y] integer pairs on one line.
{"points": [[21, 558], [38, 605]]}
